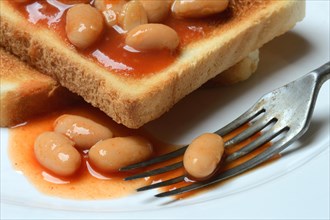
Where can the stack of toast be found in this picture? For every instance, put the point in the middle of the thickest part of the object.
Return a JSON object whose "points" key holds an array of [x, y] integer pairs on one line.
{"points": [[226, 56], [26, 93]]}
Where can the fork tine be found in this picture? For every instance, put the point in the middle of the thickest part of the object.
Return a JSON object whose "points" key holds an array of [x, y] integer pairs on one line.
{"points": [[249, 115], [247, 149], [184, 189], [162, 183], [159, 159], [156, 171], [260, 158], [242, 136], [251, 130], [252, 113], [247, 133], [264, 138]]}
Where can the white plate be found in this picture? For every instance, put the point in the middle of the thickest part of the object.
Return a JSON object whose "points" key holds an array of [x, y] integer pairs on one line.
{"points": [[296, 186]]}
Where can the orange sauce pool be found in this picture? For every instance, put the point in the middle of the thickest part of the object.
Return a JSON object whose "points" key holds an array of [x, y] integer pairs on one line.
{"points": [[110, 51], [88, 183]]}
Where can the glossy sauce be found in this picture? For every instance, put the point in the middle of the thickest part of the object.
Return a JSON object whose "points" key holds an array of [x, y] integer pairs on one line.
{"points": [[88, 183], [110, 51]]}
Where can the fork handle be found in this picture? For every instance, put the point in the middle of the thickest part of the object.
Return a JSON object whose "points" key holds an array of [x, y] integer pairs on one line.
{"points": [[322, 73]]}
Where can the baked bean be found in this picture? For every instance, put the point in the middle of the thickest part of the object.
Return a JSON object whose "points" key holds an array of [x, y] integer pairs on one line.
{"points": [[110, 10], [115, 5], [100, 5], [203, 155], [83, 131], [152, 37], [84, 25], [112, 154], [157, 11], [132, 15], [198, 8], [56, 152]]}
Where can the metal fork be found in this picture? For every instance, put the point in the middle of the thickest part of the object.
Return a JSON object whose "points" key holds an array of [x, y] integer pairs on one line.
{"points": [[282, 115]]}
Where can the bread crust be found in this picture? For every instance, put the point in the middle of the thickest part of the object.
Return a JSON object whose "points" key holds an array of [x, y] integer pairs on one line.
{"points": [[25, 92], [136, 101]]}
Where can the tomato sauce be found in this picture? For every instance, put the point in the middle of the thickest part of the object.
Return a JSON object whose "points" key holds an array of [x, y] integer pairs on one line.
{"points": [[111, 51], [88, 183]]}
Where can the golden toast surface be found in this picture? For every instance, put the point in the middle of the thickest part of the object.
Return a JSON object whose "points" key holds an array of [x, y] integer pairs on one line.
{"points": [[134, 102]]}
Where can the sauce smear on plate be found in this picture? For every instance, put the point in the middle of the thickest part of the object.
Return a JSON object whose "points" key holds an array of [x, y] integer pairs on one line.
{"points": [[88, 183]]}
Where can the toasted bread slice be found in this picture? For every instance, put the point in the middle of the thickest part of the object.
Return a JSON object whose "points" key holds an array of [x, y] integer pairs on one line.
{"points": [[135, 101], [237, 73], [25, 92]]}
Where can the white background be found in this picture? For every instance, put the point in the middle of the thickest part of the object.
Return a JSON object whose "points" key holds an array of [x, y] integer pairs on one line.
{"points": [[295, 187]]}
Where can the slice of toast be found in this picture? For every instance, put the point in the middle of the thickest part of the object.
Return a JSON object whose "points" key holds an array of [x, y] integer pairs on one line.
{"points": [[25, 92], [237, 73], [135, 101]]}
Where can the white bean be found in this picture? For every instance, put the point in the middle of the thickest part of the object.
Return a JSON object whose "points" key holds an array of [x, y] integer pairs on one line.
{"points": [[203, 155], [133, 14], [83, 131], [157, 11], [56, 152], [198, 8], [84, 25], [148, 37], [111, 154]]}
